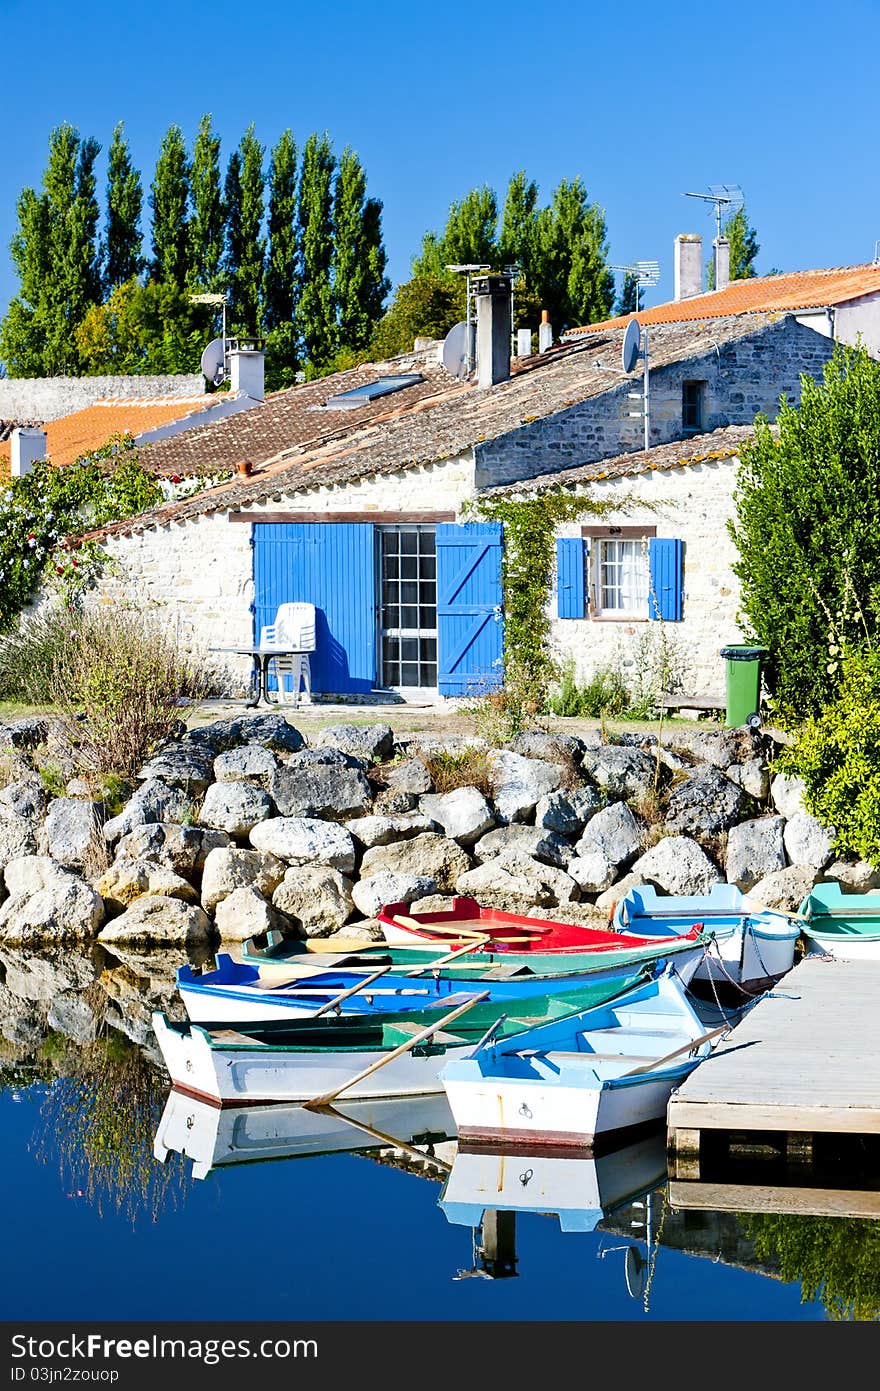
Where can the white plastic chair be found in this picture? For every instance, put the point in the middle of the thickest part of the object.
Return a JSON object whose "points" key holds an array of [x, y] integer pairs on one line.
{"points": [[294, 630]]}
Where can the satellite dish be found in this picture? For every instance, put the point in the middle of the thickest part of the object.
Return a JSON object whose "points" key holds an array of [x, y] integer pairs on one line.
{"points": [[636, 1272], [632, 339], [457, 355], [213, 362]]}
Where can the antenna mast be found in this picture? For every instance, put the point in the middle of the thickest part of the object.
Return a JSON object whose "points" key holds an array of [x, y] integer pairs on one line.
{"points": [[726, 196], [644, 272]]}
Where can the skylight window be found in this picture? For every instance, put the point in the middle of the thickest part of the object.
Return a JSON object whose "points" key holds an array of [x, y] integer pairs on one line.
{"points": [[370, 391]]}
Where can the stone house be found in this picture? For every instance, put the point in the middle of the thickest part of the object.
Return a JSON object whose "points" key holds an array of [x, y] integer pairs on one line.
{"points": [[352, 493]]}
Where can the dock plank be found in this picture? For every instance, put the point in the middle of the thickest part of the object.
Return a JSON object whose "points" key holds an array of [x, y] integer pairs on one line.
{"points": [[805, 1058]]}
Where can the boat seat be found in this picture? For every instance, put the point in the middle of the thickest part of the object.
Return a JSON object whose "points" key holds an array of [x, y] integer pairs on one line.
{"points": [[234, 1037]]}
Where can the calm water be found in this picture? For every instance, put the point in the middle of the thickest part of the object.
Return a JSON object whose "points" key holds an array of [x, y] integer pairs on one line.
{"points": [[102, 1228]]}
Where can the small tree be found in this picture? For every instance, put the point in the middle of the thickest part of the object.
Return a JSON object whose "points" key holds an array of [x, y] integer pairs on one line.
{"points": [[807, 529]]}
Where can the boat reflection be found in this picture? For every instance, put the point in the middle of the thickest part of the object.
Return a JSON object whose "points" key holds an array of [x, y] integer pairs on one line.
{"points": [[213, 1137]]}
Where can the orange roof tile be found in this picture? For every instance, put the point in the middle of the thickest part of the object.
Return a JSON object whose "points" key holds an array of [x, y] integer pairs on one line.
{"points": [[83, 431], [767, 294]]}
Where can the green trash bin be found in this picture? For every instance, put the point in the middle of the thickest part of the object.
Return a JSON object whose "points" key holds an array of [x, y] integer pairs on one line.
{"points": [[743, 684]]}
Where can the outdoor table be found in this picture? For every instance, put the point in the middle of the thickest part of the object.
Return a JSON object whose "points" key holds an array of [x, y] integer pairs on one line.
{"points": [[261, 657]]}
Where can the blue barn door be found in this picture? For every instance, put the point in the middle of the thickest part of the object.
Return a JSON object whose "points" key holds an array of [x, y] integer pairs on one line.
{"points": [[331, 565], [470, 629]]}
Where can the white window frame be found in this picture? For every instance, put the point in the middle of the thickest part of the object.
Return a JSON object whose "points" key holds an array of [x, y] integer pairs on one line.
{"points": [[599, 562]]}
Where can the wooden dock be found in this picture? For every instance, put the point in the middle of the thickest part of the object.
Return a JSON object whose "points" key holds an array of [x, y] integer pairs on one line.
{"points": [[801, 1068]]}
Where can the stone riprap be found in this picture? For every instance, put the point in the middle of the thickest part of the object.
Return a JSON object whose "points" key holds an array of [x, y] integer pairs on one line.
{"points": [[242, 825]]}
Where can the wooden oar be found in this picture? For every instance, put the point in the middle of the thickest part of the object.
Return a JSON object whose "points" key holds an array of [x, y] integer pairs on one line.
{"points": [[685, 1048], [443, 960], [391, 1140], [327, 1097], [352, 990]]}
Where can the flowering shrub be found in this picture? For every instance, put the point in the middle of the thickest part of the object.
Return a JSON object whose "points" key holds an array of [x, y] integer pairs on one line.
{"points": [[38, 512]]}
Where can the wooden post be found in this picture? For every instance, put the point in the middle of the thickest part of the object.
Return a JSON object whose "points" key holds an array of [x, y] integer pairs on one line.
{"points": [[318, 1101]]}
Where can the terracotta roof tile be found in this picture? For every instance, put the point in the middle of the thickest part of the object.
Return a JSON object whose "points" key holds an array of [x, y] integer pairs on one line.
{"points": [[73, 435], [805, 289]]}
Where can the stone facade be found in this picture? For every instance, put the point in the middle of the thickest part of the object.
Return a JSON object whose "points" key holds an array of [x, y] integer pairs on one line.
{"points": [[740, 378], [49, 398], [694, 504]]}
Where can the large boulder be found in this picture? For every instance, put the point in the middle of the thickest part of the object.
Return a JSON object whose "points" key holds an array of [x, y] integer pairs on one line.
{"points": [[608, 900], [856, 876], [333, 791], [371, 742], [28, 732], [754, 850], [245, 913], [127, 880], [568, 812], [677, 865], [788, 795], [382, 830], [24, 796], [410, 775], [720, 747], [556, 748], [808, 842], [317, 897], [303, 840], [18, 836], [524, 840], [155, 800], [371, 895], [515, 883], [463, 814], [428, 856], [72, 829], [753, 777], [613, 833], [182, 848], [705, 803], [181, 765], [592, 871], [785, 889], [156, 921], [47, 904], [248, 761], [520, 783], [266, 728], [235, 807], [625, 773], [229, 868]]}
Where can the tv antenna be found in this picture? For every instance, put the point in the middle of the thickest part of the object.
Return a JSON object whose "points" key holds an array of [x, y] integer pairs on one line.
{"points": [[213, 363], [728, 198], [469, 270], [644, 273]]}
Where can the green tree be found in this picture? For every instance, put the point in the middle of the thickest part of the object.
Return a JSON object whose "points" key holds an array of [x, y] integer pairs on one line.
{"points": [[468, 237], [427, 305], [744, 248], [572, 278], [358, 267], [834, 1259], [245, 246], [807, 530], [123, 241], [205, 251], [55, 252], [628, 302], [517, 244], [169, 197], [280, 284], [317, 322], [149, 328]]}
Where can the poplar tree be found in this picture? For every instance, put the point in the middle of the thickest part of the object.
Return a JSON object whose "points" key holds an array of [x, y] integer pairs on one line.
{"points": [[245, 247], [744, 248], [123, 257], [169, 197], [516, 246], [572, 276], [628, 302], [316, 310], [280, 285], [358, 267], [206, 226]]}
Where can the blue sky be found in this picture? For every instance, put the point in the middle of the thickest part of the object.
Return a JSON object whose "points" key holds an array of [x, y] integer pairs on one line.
{"points": [[644, 101]]}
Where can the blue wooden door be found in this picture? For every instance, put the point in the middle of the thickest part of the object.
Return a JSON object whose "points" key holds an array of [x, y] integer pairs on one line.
{"points": [[470, 628], [330, 565]]}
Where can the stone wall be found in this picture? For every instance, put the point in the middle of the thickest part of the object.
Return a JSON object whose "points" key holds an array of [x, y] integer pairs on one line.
{"points": [[48, 398], [197, 576], [692, 503], [741, 378]]}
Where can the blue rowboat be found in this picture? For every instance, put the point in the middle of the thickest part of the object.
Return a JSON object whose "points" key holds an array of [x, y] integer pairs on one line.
{"points": [[752, 947]]}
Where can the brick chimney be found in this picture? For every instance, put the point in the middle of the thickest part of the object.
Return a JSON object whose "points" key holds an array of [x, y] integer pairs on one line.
{"points": [[721, 247], [688, 265], [493, 297], [27, 447]]}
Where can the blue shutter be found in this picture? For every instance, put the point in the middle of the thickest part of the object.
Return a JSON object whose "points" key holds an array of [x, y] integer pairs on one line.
{"points": [[470, 632], [330, 565], [570, 572], [665, 597]]}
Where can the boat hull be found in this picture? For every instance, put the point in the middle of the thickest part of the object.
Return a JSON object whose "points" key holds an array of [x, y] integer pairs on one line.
{"points": [[842, 925]]}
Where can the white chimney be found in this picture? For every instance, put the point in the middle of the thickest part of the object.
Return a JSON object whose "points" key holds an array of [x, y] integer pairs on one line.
{"points": [[247, 371], [493, 297], [524, 342], [722, 262], [688, 265], [545, 332], [27, 447]]}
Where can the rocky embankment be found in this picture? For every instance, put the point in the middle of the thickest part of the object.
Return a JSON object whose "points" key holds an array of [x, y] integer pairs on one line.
{"points": [[241, 826]]}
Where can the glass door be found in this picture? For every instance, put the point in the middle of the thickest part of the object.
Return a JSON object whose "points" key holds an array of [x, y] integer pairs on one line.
{"points": [[408, 611]]}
